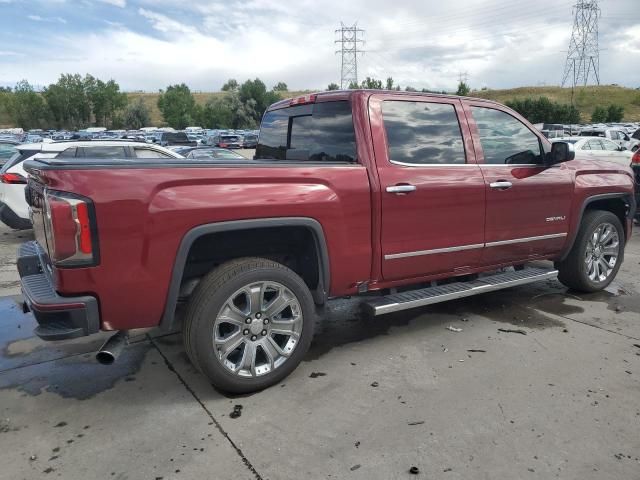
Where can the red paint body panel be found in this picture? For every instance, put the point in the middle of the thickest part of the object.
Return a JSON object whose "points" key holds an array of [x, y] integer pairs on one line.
{"points": [[144, 213], [142, 216]]}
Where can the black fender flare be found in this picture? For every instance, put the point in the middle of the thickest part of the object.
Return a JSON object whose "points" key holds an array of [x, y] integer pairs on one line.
{"points": [[320, 294], [626, 196]]}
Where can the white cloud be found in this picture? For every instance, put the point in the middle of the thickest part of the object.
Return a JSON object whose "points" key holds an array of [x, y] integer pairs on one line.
{"points": [[115, 3], [38, 18]]}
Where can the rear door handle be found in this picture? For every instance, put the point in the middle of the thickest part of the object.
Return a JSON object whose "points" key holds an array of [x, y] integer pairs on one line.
{"points": [[501, 185], [401, 189]]}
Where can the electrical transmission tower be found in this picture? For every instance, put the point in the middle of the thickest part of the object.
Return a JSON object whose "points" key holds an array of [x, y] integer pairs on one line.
{"points": [[583, 57], [349, 38]]}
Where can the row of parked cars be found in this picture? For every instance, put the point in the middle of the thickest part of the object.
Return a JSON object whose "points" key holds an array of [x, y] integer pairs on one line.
{"points": [[14, 211], [624, 135]]}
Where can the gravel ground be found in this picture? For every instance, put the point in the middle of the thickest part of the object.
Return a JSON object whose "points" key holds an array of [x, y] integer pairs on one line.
{"points": [[372, 399]]}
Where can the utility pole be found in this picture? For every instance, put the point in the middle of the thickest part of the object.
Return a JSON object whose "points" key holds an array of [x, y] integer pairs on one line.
{"points": [[583, 57], [349, 38]]}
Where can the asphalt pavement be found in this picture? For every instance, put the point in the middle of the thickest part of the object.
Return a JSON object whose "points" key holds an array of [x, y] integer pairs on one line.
{"points": [[539, 383]]}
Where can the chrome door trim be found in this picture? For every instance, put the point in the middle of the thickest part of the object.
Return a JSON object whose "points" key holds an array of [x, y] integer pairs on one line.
{"points": [[394, 256], [434, 251], [525, 239]]}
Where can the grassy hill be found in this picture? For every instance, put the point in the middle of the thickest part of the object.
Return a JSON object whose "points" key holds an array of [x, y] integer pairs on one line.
{"points": [[585, 98]]}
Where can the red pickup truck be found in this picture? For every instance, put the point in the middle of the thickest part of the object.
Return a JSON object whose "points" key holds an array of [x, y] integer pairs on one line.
{"points": [[405, 199]]}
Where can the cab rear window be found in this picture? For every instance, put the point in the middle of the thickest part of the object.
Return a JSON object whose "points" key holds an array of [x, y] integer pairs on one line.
{"points": [[319, 132]]}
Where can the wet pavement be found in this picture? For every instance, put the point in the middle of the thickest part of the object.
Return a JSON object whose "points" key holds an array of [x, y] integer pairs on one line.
{"points": [[539, 383]]}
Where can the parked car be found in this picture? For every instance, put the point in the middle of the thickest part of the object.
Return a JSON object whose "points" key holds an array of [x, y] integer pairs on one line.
{"points": [[165, 139], [249, 141], [615, 135], [596, 148], [225, 141], [14, 210], [430, 198]]}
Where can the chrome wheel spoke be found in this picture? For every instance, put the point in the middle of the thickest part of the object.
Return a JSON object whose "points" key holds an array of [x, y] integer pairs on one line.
{"points": [[231, 314], [227, 345], [248, 362], [606, 234], [275, 347], [270, 351], [255, 295], [604, 268], [611, 250], [277, 305]]}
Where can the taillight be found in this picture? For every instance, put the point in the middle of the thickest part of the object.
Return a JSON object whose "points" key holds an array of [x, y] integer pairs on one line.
{"points": [[635, 160], [303, 100], [69, 223], [13, 178]]}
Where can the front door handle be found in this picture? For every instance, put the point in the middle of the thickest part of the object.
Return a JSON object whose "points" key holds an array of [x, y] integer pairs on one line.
{"points": [[501, 185], [401, 189]]}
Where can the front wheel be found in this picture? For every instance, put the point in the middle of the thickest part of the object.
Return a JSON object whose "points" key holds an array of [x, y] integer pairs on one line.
{"points": [[596, 255], [248, 324]]}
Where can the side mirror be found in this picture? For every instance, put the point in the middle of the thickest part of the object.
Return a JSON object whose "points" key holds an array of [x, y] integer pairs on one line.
{"points": [[621, 148], [561, 152]]}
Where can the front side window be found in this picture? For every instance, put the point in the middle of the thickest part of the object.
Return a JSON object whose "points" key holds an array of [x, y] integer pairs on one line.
{"points": [[505, 139], [423, 133], [319, 132], [609, 145]]}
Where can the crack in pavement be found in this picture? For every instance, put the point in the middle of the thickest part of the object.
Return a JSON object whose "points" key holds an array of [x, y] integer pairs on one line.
{"points": [[222, 431]]}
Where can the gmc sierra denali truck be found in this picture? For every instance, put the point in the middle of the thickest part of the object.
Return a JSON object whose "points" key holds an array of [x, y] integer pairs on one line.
{"points": [[404, 199]]}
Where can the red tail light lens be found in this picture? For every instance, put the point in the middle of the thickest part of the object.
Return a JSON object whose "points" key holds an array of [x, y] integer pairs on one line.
{"points": [[635, 160], [303, 100], [13, 178], [70, 229]]}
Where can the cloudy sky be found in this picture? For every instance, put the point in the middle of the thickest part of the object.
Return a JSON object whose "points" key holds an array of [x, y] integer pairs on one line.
{"points": [[149, 44]]}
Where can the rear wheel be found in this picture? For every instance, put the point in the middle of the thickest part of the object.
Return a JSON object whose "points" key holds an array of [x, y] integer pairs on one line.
{"points": [[248, 324], [596, 255]]}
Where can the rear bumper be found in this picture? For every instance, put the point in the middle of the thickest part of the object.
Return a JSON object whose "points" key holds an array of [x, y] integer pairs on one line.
{"points": [[11, 219], [59, 318]]}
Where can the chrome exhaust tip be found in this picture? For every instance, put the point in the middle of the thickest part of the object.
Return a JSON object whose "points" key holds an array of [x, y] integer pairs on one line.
{"points": [[112, 348]]}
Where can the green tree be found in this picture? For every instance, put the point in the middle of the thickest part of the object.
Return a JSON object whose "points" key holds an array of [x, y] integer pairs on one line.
{"points": [[228, 111], [280, 87], [615, 113], [599, 115], [389, 83], [177, 106], [230, 86], [136, 116], [543, 110], [410, 89], [256, 90], [353, 86], [69, 102], [333, 86], [463, 89], [25, 107], [372, 83], [106, 99]]}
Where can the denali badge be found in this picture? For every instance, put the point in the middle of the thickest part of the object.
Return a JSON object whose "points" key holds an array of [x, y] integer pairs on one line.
{"points": [[556, 219]]}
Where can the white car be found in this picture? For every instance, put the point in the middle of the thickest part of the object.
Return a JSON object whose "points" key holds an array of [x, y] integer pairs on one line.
{"points": [[596, 148], [14, 211]]}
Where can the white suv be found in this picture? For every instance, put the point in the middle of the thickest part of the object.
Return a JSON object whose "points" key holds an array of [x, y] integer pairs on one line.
{"points": [[14, 211]]}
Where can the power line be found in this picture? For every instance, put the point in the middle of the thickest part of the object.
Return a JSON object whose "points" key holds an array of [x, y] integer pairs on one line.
{"points": [[583, 57], [349, 38]]}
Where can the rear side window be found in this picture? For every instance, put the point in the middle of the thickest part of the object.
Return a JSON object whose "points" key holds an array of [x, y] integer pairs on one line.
{"points": [[319, 132], [505, 139], [148, 153], [423, 133], [68, 153], [105, 152], [594, 145]]}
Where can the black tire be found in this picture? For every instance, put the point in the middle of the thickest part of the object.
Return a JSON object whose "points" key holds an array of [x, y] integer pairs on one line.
{"points": [[572, 271], [211, 295]]}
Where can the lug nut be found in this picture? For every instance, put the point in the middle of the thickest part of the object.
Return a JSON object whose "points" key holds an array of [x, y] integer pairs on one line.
{"points": [[258, 315], [253, 337], [245, 331], [248, 320], [266, 321], [264, 332]]}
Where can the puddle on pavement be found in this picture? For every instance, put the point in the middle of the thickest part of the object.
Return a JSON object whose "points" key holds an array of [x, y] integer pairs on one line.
{"points": [[79, 377]]}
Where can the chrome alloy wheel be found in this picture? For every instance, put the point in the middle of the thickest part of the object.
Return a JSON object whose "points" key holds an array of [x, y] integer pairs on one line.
{"points": [[601, 254], [257, 329]]}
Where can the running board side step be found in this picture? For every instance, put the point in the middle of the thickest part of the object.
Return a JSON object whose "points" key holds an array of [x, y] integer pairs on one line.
{"points": [[452, 291]]}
